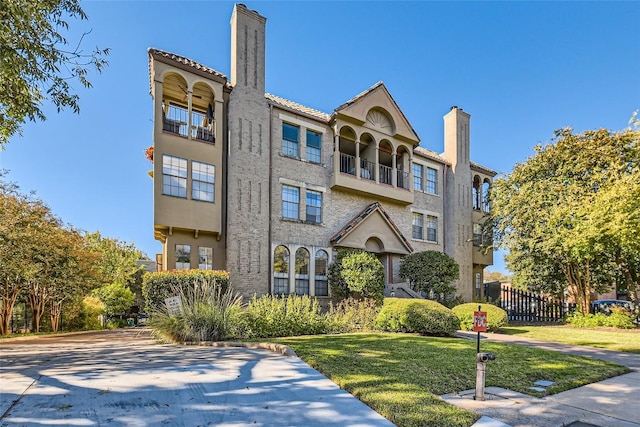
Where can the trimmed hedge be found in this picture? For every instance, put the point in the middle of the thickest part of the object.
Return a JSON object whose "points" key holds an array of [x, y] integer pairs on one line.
{"points": [[496, 317], [157, 286], [425, 317]]}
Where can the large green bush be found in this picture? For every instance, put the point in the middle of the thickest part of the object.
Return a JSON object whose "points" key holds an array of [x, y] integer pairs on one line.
{"points": [[618, 318], [158, 286], [356, 273], [425, 317], [282, 316], [431, 272], [496, 317]]}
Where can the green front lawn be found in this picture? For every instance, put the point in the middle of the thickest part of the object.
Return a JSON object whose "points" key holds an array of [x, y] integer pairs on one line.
{"points": [[610, 339], [401, 376]]}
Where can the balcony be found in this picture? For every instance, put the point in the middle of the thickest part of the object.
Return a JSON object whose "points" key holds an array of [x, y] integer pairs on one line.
{"points": [[175, 121], [370, 179]]}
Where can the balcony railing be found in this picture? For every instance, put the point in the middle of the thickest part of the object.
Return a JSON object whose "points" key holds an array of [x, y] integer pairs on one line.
{"points": [[175, 121], [403, 180], [385, 175], [347, 164], [367, 170]]}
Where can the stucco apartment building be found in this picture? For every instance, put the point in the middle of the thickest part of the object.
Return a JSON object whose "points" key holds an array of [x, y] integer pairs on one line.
{"points": [[269, 189]]}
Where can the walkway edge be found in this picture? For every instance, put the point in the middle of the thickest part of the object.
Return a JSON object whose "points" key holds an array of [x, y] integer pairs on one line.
{"points": [[277, 348]]}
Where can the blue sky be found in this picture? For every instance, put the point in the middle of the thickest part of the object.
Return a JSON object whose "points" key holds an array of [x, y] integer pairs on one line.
{"points": [[521, 69]]}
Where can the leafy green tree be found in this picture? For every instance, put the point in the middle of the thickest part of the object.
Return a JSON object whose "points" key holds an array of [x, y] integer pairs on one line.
{"points": [[116, 297], [118, 261], [356, 273], [559, 215], [38, 62], [430, 271]]}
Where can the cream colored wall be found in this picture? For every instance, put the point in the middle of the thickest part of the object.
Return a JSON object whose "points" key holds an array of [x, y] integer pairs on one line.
{"points": [[184, 237]]}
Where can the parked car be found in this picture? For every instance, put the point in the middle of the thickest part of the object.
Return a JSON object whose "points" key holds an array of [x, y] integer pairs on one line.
{"points": [[142, 319], [605, 305]]}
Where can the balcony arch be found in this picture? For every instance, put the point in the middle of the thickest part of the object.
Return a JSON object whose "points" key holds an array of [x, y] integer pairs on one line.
{"points": [[476, 192], [386, 155], [403, 166], [367, 156], [347, 150], [486, 202]]}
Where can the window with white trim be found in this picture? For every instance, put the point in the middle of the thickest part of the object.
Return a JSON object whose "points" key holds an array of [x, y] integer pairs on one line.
{"points": [[320, 276], [183, 257], [202, 181], [302, 271], [281, 270], [290, 140], [432, 228], [314, 207], [417, 176], [417, 226], [314, 143], [174, 176], [290, 202], [432, 181], [205, 258]]}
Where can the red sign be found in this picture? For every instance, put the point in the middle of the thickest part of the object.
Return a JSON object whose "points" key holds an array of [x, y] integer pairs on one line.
{"points": [[480, 321]]}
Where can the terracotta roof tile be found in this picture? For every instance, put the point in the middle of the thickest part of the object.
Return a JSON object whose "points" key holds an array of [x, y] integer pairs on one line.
{"points": [[483, 169], [298, 107], [431, 154], [186, 61]]}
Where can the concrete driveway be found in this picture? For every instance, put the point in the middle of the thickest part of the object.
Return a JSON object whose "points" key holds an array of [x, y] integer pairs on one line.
{"points": [[124, 378]]}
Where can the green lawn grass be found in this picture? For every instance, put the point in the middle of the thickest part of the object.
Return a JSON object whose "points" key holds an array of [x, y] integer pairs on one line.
{"points": [[610, 339], [401, 376]]}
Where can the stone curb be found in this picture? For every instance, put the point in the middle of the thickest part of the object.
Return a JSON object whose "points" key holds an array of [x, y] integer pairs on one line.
{"points": [[276, 348]]}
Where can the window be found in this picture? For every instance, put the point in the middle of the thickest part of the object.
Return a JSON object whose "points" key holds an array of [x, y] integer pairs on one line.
{"points": [[183, 257], [477, 234], [314, 207], [432, 228], [417, 177], [314, 141], [290, 202], [290, 140], [205, 258], [281, 270], [320, 277], [202, 180], [302, 271], [432, 181], [174, 176], [417, 228]]}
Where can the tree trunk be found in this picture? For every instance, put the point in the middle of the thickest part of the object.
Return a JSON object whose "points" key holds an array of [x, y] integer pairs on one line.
{"points": [[9, 297], [37, 301], [55, 311]]}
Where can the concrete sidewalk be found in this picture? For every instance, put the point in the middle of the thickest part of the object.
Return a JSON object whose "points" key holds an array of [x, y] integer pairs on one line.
{"points": [[124, 378], [609, 403]]}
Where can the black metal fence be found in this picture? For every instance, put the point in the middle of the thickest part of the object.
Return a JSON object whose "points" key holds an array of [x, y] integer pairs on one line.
{"points": [[523, 306]]}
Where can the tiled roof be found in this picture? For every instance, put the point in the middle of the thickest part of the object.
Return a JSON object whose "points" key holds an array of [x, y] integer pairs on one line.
{"points": [[483, 169], [186, 61], [299, 108], [361, 217], [431, 154]]}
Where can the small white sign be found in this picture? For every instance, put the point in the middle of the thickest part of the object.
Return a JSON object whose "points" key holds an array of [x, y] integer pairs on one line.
{"points": [[174, 305]]}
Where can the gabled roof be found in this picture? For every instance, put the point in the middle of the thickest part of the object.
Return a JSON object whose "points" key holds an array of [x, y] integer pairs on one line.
{"points": [[342, 235], [298, 108], [403, 126], [185, 64]]}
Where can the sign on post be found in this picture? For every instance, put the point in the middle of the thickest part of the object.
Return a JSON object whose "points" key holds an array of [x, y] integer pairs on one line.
{"points": [[480, 321], [174, 305]]}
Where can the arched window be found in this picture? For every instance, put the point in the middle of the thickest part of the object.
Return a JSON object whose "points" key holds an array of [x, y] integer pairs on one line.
{"points": [[486, 203], [476, 193], [281, 270], [302, 271], [320, 277]]}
